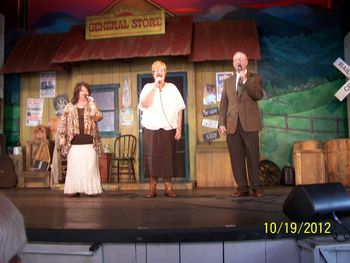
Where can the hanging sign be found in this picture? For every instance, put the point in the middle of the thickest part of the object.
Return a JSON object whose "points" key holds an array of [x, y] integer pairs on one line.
{"points": [[47, 84], [97, 27], [345, 69], [34, 113], [210, 111], [210, 136], [210, 123]]}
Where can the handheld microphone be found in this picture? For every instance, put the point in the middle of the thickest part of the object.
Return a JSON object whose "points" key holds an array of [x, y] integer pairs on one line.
{"points": [[90, 99], [158, 79], [239, 68]]}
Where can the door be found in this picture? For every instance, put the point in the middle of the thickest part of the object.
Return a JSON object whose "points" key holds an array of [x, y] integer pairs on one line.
{"points": [[179, 79]]}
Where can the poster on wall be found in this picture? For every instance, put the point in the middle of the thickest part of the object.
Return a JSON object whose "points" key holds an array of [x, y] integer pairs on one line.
{"points": [[127, 117], [220, 77], [47, 84], [209, 94], [34, 114]]}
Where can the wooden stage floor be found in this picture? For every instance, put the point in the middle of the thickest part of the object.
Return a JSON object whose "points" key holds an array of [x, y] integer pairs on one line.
{"points": [[128, 216]]}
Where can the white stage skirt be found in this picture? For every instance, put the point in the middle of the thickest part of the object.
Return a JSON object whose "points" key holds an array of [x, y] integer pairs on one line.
{"points": [[83, 175]]}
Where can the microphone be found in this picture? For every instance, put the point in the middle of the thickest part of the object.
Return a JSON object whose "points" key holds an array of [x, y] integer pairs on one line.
{"points": [[239, 69], [90, 99], [158, 79]]}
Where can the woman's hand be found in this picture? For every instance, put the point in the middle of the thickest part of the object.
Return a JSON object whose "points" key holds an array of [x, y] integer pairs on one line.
{"points": [[178, 134], [62, 141]]}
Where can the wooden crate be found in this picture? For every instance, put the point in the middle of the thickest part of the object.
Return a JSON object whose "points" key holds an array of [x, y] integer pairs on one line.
{"points": [[35, 179], [309, 163], [337, 155]]}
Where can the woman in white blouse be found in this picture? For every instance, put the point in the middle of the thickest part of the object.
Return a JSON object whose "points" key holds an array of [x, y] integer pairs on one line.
{"points": [[161, 104]]}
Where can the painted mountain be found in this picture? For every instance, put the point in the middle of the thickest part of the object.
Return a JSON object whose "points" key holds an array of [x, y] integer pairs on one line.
{"points": [[298, 47]]}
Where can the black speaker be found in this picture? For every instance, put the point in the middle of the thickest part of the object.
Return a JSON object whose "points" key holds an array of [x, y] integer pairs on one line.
{"points": [[314, 202]]}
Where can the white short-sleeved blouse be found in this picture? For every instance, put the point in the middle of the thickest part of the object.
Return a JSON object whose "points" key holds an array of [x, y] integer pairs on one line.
{"points": [[162, 113]]}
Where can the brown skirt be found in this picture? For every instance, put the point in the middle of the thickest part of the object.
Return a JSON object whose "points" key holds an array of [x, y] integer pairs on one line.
{"points": [[158, 153]]}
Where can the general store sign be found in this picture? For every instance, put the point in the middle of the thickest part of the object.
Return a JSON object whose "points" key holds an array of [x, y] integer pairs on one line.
{"points": [[97, 27]]}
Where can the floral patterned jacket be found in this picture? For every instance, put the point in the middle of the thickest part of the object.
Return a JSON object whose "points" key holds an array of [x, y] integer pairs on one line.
{"points": [[69, 126]]}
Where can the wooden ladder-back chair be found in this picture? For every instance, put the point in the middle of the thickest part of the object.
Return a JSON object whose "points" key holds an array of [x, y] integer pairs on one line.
{"points": [[123, 157]]}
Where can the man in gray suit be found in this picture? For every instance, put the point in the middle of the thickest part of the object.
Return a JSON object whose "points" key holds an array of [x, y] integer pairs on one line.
{"points": [[239, 119]]}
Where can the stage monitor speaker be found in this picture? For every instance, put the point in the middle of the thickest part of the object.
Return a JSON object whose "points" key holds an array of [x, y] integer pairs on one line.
{"points": [[315, 202]]}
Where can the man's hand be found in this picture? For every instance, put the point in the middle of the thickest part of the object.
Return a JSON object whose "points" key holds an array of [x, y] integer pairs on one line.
{"points": [[222, 129]]}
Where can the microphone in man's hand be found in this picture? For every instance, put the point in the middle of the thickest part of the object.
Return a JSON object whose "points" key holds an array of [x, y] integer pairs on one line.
{"points": [[239, 68]]}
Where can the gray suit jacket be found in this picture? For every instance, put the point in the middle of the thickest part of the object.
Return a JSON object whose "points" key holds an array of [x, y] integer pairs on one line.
{"points": [[243, 105]]}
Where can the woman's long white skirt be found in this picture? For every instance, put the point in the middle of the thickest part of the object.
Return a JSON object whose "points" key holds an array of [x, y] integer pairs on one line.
{"points": [[83, 175]]}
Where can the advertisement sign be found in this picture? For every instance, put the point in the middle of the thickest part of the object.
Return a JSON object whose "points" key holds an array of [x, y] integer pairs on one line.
{"points": [[34, 112]]}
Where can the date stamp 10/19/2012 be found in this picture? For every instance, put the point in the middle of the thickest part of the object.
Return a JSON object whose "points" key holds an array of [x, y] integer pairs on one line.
{"points": [[300, 228]]}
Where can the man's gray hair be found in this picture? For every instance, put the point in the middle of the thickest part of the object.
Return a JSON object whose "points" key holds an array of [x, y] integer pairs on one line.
{"points": [[12, 231]]}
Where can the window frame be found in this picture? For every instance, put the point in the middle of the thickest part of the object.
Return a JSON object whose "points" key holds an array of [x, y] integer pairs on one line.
{"points": [[111, 88]]}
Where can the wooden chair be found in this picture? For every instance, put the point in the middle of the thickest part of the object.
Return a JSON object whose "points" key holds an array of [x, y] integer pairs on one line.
{"points": [[38, 161], [123, 158]]}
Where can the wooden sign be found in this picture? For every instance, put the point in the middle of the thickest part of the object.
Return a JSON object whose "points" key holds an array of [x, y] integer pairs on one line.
{"points": [[97, 27], [345, 69]]}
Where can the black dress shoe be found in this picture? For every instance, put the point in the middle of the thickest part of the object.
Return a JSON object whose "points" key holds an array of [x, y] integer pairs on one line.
{"points": [[240, 194], [258, 193]]}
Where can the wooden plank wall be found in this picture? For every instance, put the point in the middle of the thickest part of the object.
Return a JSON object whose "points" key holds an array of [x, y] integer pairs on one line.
{"points": [[107, 72], [209, 166], [212, 161]]}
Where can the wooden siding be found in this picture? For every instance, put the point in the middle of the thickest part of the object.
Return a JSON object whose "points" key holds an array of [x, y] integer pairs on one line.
{"points": [[213, 166], [107, 72], [212, 161]]}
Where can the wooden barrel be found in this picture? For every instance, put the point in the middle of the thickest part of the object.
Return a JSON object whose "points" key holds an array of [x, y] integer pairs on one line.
{"points": [[337, 155], [309, 162]]}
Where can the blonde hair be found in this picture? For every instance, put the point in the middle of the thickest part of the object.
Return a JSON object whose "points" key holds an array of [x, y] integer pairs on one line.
{"points": [[158, 64]]}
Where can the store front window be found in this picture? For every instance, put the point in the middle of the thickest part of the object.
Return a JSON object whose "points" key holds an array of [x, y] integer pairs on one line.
{"points": [[106, 97]]}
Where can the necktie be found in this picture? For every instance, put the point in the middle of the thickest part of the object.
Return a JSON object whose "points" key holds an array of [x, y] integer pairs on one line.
{"points": [[239, 85]]}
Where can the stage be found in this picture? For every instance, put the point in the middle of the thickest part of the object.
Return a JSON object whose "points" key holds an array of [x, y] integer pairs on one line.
{"points": [[197, 215]]}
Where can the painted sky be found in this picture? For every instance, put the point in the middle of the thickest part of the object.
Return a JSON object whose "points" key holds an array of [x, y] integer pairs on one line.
{"points": [[82, 8]]}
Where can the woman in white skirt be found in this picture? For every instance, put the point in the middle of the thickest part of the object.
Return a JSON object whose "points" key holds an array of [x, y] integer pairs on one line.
{"points": [[80, 142]]}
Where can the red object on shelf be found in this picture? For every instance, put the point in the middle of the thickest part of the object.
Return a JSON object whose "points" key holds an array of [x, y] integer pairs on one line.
{"points": [[105, 161]]}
